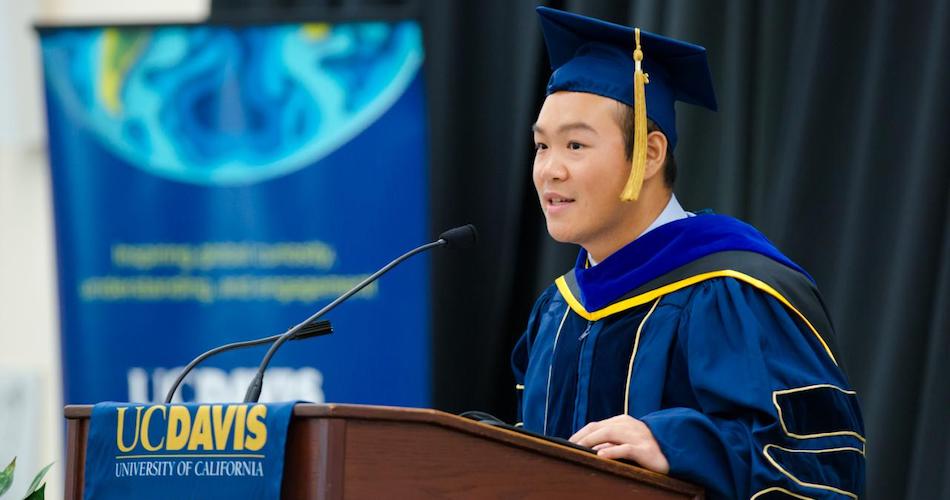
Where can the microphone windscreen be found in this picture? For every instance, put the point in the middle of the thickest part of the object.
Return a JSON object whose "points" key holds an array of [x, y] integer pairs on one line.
{"points": [[314, 329], [460, 237]]}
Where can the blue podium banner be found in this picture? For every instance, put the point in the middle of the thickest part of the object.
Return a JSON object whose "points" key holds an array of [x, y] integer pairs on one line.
{"points": [[220, 183], [186, 451]]}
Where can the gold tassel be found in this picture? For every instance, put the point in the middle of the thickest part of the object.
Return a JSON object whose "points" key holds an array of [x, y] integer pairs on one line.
{"points": [[632, 190]]}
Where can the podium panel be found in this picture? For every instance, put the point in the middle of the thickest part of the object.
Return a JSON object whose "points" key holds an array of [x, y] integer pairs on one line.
{"points": [[352, 451]]}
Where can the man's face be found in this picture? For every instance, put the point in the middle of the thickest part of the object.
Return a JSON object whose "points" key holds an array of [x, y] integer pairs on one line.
{"points": [[580, 167]]}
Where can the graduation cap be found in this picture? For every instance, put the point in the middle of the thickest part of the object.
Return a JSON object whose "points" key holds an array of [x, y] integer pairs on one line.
{"points": [[646, 71]]}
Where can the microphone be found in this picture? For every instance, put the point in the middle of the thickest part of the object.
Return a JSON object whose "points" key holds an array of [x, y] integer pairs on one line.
{"points": [[459, 237], [314, 329]]}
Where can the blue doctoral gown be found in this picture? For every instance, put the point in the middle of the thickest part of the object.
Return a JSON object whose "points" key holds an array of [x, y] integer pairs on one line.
{"points": [[718, 343]]}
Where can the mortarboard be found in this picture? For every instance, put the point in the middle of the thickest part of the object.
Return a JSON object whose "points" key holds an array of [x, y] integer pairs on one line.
{"points": [[646, 71]]}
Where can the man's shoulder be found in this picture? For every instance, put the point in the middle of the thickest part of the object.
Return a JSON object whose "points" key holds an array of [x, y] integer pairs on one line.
{"points": [[749, 269], [548, 297]]}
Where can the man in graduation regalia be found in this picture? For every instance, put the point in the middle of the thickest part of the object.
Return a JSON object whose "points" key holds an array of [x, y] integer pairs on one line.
{"points": [[686, 343]]}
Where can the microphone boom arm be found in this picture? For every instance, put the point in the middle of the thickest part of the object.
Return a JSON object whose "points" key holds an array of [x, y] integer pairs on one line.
{"points": [[254, 389], [312, 330]]}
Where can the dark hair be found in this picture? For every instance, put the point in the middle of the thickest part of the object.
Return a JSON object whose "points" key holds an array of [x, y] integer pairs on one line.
{"points": [[625, 120]]}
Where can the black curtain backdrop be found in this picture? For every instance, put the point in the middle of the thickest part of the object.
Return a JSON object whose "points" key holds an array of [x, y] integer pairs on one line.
{"points": [[831, 138]]}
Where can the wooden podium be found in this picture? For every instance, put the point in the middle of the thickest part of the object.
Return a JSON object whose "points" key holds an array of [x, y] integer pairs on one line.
{"points": [[349, 451]]}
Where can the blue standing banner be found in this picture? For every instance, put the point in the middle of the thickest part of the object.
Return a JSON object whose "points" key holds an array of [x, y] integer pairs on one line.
{"points": [[217, 183]]}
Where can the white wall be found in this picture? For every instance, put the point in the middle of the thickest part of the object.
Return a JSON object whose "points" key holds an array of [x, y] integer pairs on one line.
{"points": [[120, 11], [31, 422]]}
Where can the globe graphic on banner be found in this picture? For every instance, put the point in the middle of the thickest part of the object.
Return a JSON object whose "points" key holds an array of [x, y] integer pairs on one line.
{"points": [[246, 104]]}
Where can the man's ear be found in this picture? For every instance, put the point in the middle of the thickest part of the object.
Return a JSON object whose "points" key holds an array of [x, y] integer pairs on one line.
{"points": [[656, 154]]}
